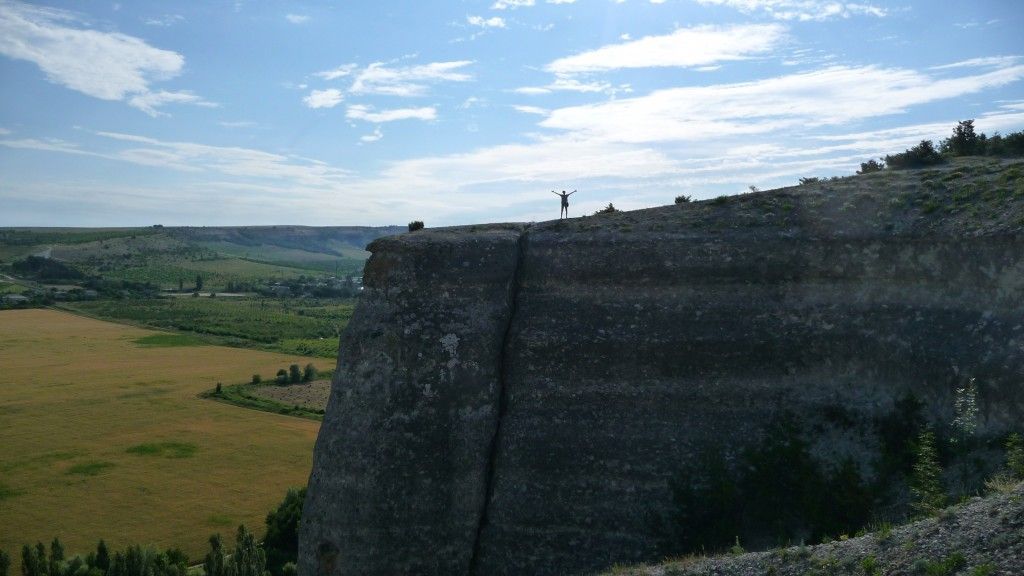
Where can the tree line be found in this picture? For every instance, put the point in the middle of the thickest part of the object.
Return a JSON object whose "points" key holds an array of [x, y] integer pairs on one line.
{"points": [[275, 556], [964, 141]]}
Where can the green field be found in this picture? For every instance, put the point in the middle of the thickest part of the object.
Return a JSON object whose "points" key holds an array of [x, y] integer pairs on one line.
{"points": [[309, 328], [104, 435]]}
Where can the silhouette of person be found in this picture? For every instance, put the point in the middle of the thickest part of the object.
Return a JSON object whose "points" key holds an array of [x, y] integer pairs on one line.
{"points": [[565, 203]]}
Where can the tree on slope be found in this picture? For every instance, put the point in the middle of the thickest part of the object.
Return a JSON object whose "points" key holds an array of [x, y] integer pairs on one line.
{"points": [[926, 480]]}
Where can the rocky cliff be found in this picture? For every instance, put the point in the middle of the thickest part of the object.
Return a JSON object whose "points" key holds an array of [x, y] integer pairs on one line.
{"points": [[527, 399]]}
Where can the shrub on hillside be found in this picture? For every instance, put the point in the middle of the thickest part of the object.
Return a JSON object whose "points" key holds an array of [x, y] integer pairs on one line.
{"points": [[871, 166], [294, 374], [683, 199], [282, 377], [964, 141], [924, 154], [1015, 455], [415, 225], [926, 480], [609, 209]]}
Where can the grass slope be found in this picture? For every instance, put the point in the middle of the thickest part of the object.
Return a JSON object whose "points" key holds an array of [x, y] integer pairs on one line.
{"points": [[104, 437]]}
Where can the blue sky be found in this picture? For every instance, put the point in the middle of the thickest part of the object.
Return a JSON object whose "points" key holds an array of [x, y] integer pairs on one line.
{"points": [[453, 112]]}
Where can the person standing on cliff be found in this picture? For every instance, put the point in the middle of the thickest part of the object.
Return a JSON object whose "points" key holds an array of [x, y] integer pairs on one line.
{"points": [[565, 203]]}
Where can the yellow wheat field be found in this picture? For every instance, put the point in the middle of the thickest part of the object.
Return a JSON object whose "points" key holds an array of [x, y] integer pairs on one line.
{"points": [[76, 394]]}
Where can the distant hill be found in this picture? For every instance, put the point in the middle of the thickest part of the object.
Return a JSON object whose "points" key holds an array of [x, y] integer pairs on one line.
{"points": [[172, 256]]}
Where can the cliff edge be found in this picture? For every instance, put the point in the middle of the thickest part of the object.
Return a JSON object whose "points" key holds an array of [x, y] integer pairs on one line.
{"points": [[545, 399]]}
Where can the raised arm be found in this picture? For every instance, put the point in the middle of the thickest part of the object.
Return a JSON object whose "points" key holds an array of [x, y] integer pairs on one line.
{"points": [[571, 193], [555, 193]]}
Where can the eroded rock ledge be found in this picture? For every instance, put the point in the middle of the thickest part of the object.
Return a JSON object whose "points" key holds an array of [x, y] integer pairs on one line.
{"points": [[518, 400]]}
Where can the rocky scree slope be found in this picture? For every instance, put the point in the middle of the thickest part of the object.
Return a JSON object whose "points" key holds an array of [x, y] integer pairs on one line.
{"points": [[983, 537], [533, 399]]}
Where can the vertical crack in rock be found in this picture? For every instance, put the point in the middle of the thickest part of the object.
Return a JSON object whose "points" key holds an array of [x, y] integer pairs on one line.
{"points": [[506, 343]]}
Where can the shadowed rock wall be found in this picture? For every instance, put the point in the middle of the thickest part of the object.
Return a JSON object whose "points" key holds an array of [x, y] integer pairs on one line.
{"points": [[515, 400]]}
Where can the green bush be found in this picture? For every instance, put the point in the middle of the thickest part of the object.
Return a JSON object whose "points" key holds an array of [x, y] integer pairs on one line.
{"points": [[294, 374], [309, 373], [1015, 455], [415, 225], [683, 199], [282, 539], [924, 154], [282, 377], [926, 480], [871, 166]]}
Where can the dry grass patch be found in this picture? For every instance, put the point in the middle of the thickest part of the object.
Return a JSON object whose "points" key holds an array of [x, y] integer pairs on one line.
{"points": [[103, 438]]}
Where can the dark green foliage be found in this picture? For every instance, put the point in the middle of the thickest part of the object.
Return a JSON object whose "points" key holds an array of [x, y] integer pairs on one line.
{"points": [[45, 269], [294, 374], [256, 379], [139, 561], [199, 283], [102, 556], [213, 564], [282, 377], [683, 199], [949, 565], [289, 569], [897, 431], [609, 209], [926, 480], [219, 390], [56, 556], [415, 225], [31, 565], [809, 180], [924, 154], [248, 558], [5, 563], [773, 488], [1015, 455], [282, 539], [964, 142], [309, 373], [871, 166]]}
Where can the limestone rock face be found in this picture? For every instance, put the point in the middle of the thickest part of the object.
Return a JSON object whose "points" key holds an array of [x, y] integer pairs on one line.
{"points": [[517, 399], [401, 463]]}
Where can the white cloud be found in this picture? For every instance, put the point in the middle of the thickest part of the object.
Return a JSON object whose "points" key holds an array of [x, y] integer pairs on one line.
{"points": [[564, 83], [378, 78], [686, 47], [149, 102], [104, 65], [989, 61], [164, 21], [323, 98], [339, 72], [493, 22], [4, 131], [513, 4], [530, 110], [297, 18], [802, 10], [372, 137], [238, 124], [366, 113], [472, 102], [826, 97]]}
